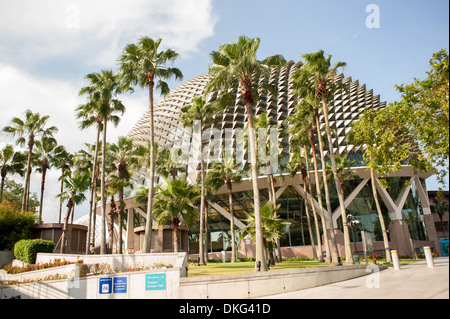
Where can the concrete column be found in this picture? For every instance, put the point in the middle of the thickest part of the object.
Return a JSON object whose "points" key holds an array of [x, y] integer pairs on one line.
{"points": [[129, 243], [399, 233]]}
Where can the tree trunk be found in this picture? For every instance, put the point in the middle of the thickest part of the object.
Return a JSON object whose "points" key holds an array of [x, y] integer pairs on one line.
{"points": [[102, 191], [66, 222], [112, 210], [27, 176], [205, 249], [260, 255], [347, 242], [3, 183], [305, 176], [93, 186], [122, 169], [175, 223], [44, 172], [230, 201], [319, 197], [380, 216], [149, 221], [329, 217], [202, 199]]}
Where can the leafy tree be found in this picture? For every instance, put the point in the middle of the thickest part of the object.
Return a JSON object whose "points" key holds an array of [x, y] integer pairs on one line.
{"points": [[27, 130], [141, 64], [13, 193], [10, 162], [235, 64], [14, 224]]}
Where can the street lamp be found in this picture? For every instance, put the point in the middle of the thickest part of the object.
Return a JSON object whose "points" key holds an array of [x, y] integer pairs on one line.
{"points": [[351, 223]]}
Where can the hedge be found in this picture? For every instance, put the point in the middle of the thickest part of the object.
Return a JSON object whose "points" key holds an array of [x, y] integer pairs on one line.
{"points": [[26, 249]]}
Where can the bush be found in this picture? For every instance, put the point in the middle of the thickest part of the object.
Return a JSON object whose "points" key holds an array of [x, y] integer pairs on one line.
{"points": [[298, 259], [14, 225], [27, 249]]}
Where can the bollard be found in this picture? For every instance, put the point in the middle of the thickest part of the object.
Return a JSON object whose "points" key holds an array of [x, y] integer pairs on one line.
{"points": [[428, 256], [395, 259], [224, 256]]}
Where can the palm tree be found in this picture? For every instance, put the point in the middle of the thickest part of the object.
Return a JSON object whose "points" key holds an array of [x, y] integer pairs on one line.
{"points": [[317, 78], [75, 185], [302, 125], [64, 161], [102, 91], [32, 127], [272, 227], [10, 162], [125, 159], [173, 204], [199, 111], [226, 173], [46, 149], [236, 64], [141, 64]]}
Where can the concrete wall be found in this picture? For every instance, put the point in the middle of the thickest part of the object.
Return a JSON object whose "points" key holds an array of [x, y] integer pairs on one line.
{"points": [[6, 257], [253, 285]]}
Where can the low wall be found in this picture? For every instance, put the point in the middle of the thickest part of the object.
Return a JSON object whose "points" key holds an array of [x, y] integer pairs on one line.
{"points": [[177, 260], [254, 285], [6, 257]]}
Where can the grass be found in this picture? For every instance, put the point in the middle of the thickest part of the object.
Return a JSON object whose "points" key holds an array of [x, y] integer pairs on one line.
{"points": [[214, 268]]}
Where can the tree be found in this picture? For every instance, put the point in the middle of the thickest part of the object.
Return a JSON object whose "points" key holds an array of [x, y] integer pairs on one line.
{"points": [[199, 111], [75, 185], [440, 207], [125, 159], [10, 162], [236, 64], [317, 78], [272, 227], [30, 128], [427, 106], [46, 149], [64, 161], [102, 91], [141, 64], [226, 173], [173, 204]]}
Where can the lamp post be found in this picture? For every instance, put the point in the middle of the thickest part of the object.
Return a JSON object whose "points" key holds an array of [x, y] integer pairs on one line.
{"points": [[351, 223]]}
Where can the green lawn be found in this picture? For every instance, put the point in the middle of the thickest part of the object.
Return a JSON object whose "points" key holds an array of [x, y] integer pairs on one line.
{"points": [[213, 268]]}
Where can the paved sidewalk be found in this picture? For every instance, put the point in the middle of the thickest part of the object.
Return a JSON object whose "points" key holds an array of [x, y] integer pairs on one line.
{"points": [[414, 281]]}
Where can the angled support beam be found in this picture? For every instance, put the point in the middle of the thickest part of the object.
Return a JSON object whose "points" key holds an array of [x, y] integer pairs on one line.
{"points": [[307, 196], [423, 195], [279, 192], [349, 199], [227, 215], [395, 209]]}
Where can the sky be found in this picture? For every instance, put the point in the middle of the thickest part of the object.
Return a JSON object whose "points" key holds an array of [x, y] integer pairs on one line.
{"points": [[48, 47]]}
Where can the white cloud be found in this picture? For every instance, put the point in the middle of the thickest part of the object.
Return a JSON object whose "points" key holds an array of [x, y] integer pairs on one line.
{"points": [[97, 30]]}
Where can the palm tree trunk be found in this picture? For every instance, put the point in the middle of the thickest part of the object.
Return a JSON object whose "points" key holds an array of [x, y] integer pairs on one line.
{"points": [[41, 204], [202, 199], [112, 209], [319, 195], [347, 242], [306, 205], [230, 201], [102, 191], [60, 200], [277, 250], [2, 186], [380, 216], [260, 255], [93, 186], [27, 176], [66, 222], [122, 169], [149, 221], [329, 218], [205, 249]]}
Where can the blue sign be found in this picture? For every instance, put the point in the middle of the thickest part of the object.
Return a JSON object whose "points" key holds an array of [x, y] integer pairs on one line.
{"points": [[155, 281], [444, 247], [105, 285], [120, 285]]}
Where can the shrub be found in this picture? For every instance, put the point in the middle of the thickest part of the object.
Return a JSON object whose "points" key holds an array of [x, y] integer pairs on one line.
{"points": [[14, 225], [298, 259], [27, 249]]}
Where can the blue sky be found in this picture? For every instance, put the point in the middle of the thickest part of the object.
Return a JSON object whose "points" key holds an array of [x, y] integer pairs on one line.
{"points": [[47, 47]]}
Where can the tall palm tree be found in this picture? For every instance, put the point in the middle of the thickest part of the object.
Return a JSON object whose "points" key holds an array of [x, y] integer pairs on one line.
{"points": [[226, 173], [302, 125], [10, 162], [125, 159], [28, 129], [199, 111], [75, 185], [46, 149], [102, 91], [141, 64], [236, 64], [174, 204], [318, 78], [64, 161]]}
